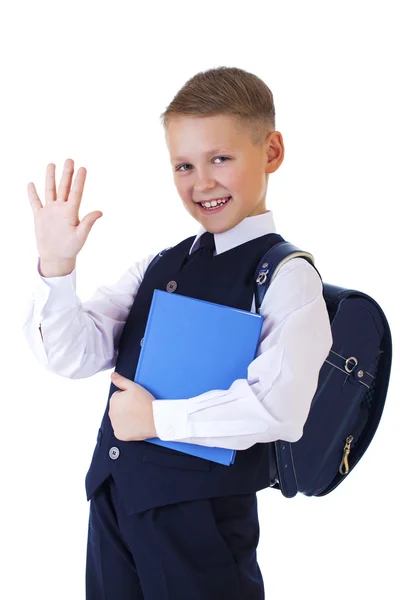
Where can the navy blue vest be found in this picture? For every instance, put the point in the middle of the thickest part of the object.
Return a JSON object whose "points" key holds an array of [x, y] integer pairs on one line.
{"points": [[147, 475]]}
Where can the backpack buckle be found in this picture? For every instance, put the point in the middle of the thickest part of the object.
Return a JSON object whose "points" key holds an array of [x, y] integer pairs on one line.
{"points": [[262, 275], [353, 367]]}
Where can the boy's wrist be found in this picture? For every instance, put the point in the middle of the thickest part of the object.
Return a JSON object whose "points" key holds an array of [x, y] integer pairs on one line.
{"points": [[56, 268]]}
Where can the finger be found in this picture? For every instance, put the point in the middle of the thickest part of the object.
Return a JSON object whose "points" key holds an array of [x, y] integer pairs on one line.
{"points": [[66, 178], [75, 195], [34, 198], [50, 185]]}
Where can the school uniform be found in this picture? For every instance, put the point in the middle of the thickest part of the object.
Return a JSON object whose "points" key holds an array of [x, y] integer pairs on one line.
{"points": [[164, 525]]}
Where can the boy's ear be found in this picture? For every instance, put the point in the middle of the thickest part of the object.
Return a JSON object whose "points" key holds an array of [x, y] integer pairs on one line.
{"points": [[275, 152]]}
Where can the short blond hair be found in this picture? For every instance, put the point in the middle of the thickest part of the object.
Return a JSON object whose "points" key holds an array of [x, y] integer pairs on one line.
{"points": [[226, 91]]}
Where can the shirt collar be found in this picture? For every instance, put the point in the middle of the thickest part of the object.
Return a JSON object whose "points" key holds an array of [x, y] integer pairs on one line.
{"points": [[248, 229]]}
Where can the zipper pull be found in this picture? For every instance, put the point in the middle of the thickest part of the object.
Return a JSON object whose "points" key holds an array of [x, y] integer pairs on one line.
{"points": [[346, 452]]}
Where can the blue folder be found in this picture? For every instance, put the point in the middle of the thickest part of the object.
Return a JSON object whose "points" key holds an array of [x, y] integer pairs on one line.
{"points": [[192, 346]]}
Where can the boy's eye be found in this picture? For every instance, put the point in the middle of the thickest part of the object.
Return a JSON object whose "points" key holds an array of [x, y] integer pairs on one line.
{"points": [[187, 164]]}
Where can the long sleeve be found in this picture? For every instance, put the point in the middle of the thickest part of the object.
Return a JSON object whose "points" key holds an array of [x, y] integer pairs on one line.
{"points": [[274, 401], [79, 339]]}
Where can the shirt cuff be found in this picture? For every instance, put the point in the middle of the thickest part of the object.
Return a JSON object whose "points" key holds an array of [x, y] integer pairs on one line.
{"points": [[171, 419], [60, 291]]}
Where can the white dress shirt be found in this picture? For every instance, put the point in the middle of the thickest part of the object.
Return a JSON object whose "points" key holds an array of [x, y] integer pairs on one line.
{"points": [[81, 339]]}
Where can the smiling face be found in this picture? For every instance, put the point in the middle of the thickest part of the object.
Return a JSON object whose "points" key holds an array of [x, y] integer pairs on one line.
{"points": [[214, 157]]}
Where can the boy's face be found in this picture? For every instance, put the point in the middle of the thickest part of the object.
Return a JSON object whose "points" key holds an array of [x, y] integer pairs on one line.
{"points": [[196, 145]]}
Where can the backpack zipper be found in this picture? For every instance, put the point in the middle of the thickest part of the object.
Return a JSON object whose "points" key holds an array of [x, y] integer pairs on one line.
{"points": [[344, 465]]}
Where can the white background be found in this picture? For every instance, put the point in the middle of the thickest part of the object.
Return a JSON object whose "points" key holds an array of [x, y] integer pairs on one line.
{"points": [[88, 81]]}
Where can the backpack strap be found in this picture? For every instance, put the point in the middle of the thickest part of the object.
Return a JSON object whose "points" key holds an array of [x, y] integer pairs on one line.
{"points": [[270, 264], [283, 473]]}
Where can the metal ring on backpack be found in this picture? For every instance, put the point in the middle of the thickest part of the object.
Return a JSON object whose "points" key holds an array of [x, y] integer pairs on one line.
{"points": [[262, 277], [347, 360]]}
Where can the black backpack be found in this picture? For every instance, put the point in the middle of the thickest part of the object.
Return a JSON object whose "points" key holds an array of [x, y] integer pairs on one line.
{"points": [[352, 386]]}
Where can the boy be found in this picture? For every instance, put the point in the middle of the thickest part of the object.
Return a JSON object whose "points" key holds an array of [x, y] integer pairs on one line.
{"points": [[164, 525]]}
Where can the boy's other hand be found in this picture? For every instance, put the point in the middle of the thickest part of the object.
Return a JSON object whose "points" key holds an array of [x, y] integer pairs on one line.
{"points": [[131, 410], [59, 233]]}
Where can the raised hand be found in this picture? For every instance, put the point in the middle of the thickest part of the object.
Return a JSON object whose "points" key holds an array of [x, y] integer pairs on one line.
{"points": [[59, 233]]}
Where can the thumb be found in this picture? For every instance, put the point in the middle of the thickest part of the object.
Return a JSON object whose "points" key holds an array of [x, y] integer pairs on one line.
{"points": [[87, 223], [120, 381]]}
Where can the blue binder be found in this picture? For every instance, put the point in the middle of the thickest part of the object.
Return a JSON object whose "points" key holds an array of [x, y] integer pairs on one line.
{"points": [[192, 346]]}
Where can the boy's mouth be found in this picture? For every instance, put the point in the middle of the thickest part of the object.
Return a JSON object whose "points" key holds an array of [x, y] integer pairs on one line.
{"points": [[214, 206]]}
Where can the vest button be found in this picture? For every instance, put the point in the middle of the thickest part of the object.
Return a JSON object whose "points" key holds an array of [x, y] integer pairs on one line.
{"points": [[113, 453], [171, 286], [141, 341]]}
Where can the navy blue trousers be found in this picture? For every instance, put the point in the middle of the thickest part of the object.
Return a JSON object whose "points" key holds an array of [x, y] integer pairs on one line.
{"points": [[197, 550]]}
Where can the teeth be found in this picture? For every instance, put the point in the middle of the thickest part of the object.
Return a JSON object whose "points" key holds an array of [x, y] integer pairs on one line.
{"points": [[213, 203]]}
